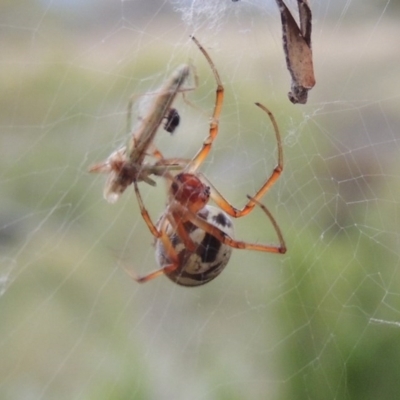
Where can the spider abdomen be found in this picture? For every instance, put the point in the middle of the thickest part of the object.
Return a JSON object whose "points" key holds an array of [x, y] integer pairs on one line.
{"points": [[211, 255]]}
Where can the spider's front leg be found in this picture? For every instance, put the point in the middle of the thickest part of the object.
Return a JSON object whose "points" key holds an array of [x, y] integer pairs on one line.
{"points": [[199, 158]]}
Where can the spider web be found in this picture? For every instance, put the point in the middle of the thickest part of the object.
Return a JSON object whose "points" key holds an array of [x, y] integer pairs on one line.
{"points": [[320, 322]]}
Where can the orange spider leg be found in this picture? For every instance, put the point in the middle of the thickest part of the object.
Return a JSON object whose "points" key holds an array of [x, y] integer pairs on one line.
{"points": [[181, 231], [154, 152], [282, 245], [225, 205], [146, 216], [238, 244], [162, 161], [181, 162], [151, 275], [202, 154], [167, 216], [172, 256]]}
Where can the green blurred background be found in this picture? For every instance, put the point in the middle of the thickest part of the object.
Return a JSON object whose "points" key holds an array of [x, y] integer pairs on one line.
{"points": [[321, 322]]}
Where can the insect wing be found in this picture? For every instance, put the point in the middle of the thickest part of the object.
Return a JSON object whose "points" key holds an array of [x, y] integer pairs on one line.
{"points": [[305, 18], [159, 109]]}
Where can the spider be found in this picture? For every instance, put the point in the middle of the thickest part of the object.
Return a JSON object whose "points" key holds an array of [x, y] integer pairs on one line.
{"points": [[194, 240], [126, 165]]}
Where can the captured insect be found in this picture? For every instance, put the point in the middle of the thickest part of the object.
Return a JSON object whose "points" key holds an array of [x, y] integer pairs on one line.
{"points": [[297, 48], [194, 240], [126, 165]]}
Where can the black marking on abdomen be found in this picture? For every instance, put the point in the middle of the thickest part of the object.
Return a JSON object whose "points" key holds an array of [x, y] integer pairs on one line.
{"points": [[183, 278], [211, 246], [222, 220]]}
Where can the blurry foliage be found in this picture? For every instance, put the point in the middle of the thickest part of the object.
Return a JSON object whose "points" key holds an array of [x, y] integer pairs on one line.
{"points": [[74, 326]]}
